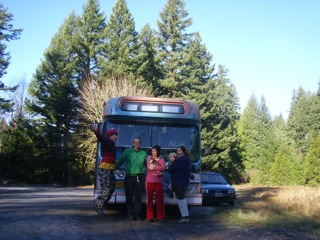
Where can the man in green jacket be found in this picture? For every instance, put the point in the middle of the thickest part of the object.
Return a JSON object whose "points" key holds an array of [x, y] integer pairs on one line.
{"points": [[134, 181]]}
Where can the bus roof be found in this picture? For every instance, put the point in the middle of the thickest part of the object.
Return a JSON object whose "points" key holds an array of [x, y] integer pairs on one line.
{"points": [[151, 107]]}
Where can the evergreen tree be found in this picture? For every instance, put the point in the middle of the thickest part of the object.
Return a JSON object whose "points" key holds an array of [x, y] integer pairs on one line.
{"points": [[266, 146], [219, 120], [312, 162], [282, 168], [121, 49], [54, 97], [7, 34], [249, 136], [173, 45], [314, 115], [148, 61], [19, 161], [89, 40], [299, 122]]}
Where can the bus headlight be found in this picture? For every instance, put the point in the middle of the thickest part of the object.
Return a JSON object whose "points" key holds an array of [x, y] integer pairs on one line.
{"points": [[120, 173]]}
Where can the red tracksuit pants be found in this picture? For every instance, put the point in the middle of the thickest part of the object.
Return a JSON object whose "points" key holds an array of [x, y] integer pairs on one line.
{"points": [[157, 188]]}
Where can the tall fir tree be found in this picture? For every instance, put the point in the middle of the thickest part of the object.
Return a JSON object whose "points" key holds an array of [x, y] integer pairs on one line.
{"points": [[312, 162], [219, 121], [266, 144], [53, 101], [122, 46], [7, 34], [173, 44], [88, 41], [249, 136], [282, 172], [299, 122], [148, 61]]}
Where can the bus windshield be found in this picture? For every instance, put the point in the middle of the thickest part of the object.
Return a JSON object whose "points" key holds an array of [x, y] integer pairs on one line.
{"points": [[168, 136]]}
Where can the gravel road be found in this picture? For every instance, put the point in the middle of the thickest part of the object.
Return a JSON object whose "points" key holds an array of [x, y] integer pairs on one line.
{"points": [[40, 212]]}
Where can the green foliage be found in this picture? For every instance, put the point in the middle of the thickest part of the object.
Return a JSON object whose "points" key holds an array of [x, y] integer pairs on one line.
{"points": [[312, 162], [257, 143], [54, 95], [282, 168], [173, 43], [7, 34], [18, 155], [248, 133], [219, 118], [121, 50], [301, 120], [148, 61], [88, 40]]}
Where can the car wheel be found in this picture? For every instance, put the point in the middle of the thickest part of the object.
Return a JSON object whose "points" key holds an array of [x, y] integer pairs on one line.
{"points": [[231, 203]]}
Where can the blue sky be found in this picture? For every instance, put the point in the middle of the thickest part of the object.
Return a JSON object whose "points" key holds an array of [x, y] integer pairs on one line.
{"points": [[271, 48]]}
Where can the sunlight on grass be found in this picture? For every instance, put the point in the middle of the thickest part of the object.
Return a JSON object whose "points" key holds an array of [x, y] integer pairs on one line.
{"points": [[295, 208], [304, 201]]}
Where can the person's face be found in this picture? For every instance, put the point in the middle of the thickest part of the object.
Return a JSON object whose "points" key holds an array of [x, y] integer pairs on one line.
{"points": [[136, 143], [171, 158], [114, 137], [179, 152], [154, 152]]}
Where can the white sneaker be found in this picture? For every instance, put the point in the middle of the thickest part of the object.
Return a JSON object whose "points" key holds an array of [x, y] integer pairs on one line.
{"points": [[184, 220]]}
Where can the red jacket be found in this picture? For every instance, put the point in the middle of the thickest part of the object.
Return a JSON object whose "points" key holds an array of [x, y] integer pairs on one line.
{"points": [[108, 148]]}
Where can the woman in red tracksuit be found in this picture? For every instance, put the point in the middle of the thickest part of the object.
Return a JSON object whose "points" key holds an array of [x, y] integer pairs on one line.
{"points": [[154, 184]]}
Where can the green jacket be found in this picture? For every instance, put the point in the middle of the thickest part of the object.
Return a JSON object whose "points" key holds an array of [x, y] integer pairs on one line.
{"points": [[135, 161]]}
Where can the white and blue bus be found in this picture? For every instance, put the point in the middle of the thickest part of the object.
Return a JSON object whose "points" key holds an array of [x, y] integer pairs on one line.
{"points": [[168, 123]]}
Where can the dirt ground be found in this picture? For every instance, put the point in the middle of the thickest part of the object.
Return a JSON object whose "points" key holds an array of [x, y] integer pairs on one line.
{"points": [[43, 212]]}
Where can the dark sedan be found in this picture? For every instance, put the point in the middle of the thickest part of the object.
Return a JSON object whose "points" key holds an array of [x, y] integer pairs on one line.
{"points": [[216, 189]]}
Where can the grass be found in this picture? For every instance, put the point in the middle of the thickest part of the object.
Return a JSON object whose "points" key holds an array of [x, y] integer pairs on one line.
{"points": [[290, 208]]}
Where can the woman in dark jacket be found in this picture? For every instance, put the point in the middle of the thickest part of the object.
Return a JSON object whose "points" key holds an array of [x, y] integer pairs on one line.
{"points": [[180, 173]]}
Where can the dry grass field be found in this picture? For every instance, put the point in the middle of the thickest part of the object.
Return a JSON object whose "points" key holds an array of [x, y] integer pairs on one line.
{"points": [[290, 208]]}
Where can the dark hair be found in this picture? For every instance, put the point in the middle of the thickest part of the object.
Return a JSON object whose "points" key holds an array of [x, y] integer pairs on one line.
{"points": [[157, 148], [183, 149]]}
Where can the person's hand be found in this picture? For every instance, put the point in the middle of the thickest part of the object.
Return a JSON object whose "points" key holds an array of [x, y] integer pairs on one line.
{"points": [[94, 127]]}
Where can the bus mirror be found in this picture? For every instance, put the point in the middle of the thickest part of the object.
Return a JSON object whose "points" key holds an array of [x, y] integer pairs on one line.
{"points": [[207, 150]]}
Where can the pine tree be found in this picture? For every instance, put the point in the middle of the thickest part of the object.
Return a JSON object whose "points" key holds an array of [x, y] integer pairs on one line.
{"points": [[19, 161], [148, 61], [299, 121], [7, 34], [266, 145], [121, 49], [221, 114], [173, 45], [54, 100], [248, 133], [281, 172], [312, 162], [89, 40]]}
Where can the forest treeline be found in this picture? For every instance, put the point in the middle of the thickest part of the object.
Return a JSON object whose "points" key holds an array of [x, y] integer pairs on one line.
{"points": [[93, 57]]}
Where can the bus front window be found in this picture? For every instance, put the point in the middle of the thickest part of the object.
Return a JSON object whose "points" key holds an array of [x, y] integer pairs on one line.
{"points": [[173, 136]]}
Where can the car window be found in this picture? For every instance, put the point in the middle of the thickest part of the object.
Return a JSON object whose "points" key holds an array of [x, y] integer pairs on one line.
{"points": [[213, 179]]}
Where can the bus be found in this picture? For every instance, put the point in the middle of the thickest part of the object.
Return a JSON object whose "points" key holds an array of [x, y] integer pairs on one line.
{"points": [[168, 123]]}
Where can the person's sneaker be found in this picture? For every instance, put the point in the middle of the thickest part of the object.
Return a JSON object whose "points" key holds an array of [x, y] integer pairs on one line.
{"points": [[161, 220], [98, 209], [149, 220], [184, 220]]}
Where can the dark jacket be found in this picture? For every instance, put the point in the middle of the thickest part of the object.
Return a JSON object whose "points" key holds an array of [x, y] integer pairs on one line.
{"points": [[180, 171]]}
